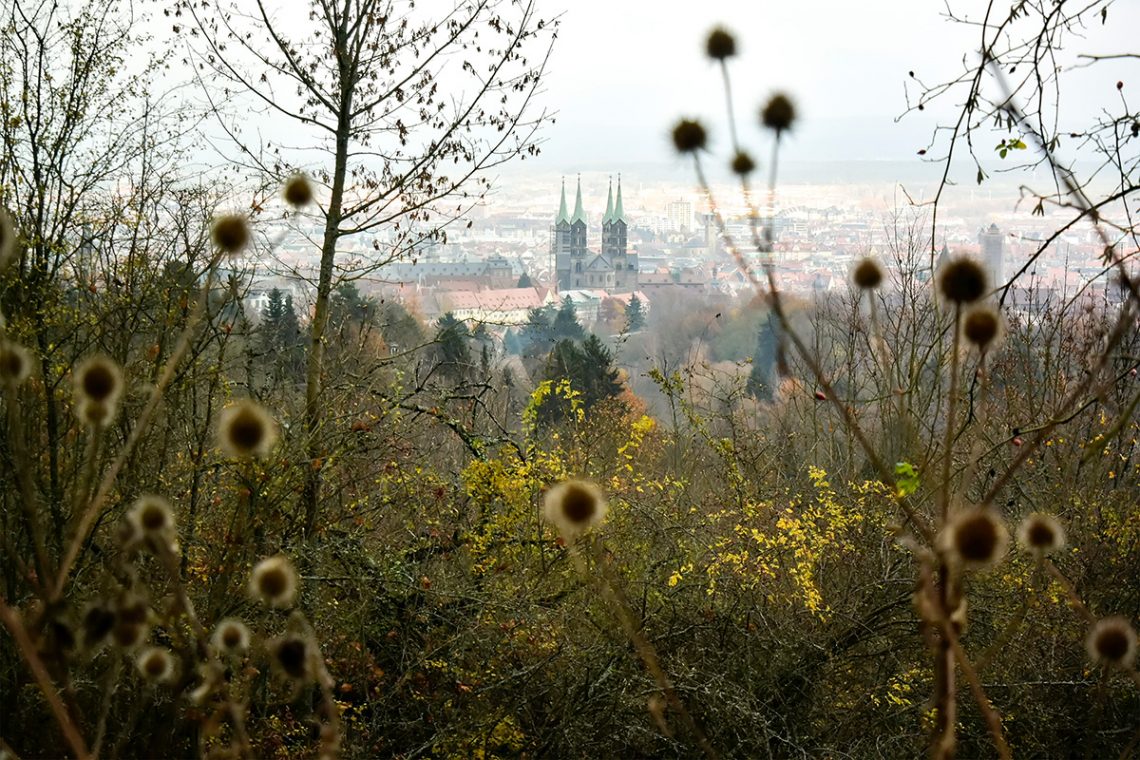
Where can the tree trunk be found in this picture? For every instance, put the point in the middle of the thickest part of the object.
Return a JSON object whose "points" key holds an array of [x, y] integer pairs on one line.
{"points": [[312, 493]]}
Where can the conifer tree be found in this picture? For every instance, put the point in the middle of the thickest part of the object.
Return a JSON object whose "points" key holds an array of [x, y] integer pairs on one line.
{"points": [[634, 314]]}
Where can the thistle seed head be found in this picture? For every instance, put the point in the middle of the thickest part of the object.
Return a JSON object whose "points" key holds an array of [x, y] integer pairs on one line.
{"points": [[742, 164], [779, 113], [291, 655], [156, 665], [15, 364], [297, 191], [153, 516], [1041, 534], [720, 44], [574, 506], [97, 624], [100, 380], [246, 430], [131, 621], [230, 233], [689, 136], [867, 274], [963, 281], [274, 582], [231, 636], [982, 326], [1112, 641], [975, 539]]}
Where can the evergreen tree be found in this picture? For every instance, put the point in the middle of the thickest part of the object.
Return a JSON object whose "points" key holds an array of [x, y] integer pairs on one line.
{"points": [[272, 318], [290, 324], [565, 326], [525, 281], [292, 340], [485, 362], [452, 352], [759, 383], [538, 334], [589, 368], [280, 328], [400, 329], [598, 378], [280, 337], [634, 314], [511, 342], [348, 307]]}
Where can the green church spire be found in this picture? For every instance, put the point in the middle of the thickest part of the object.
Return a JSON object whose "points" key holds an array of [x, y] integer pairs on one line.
{"points": [[619, 213], [562, 215], [609, 205], [579, 214]]}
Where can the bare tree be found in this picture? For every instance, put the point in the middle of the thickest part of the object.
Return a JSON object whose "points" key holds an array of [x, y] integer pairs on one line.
{"points": [[72, 120], [411, 107]]}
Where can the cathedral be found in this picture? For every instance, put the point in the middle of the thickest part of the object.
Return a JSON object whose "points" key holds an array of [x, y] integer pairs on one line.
{"points": [[614, 269]]}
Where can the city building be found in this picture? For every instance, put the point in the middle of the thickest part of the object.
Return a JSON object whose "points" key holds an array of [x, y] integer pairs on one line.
{"points": [[614, 268], [680, 216], [992, 245]]}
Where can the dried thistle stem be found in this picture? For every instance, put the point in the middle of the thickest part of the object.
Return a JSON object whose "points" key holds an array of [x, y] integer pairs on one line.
{"points": [[95, 506], [15, 626], [611, 587]]}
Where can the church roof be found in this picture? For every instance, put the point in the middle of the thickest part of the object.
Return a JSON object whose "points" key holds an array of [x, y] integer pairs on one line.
{"points": [[562, 215], [599, 264], [943, 256], [609, 205], [579, 213], [619, 213]]}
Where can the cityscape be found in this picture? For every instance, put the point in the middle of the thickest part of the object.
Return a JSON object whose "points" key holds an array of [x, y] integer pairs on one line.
{"points": [[537, 240], [537, 379]]}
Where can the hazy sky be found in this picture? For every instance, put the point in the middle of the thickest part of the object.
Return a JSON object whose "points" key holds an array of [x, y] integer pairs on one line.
{"points": [[624, 70]]}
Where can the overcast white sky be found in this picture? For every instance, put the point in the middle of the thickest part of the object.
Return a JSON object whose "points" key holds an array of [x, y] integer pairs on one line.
{"points": [[624, 70]]}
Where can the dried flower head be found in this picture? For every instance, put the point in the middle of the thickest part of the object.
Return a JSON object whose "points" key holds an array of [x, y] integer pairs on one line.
{"points": [[97, 623], [976, 538], [98, 379], [156, 665], [94, 413], [867, 274], [779, 113], [689, 136], [211, 679], [153, 516], [720, 44], [982, 326], [574, 506], [1041, 534], [7, 238], [742, 164], [131, 621], [962, 281], [231, 636], [274, 582], [297, 191], [291, 654], [1112, 640], [230, 233], [246, 430], [15, 364], [59, 636]]}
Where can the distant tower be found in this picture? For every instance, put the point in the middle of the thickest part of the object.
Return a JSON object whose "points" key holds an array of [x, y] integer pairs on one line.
{"points": [[992, 244], [560, 244], [680, 216], [578, 250], [614, 268], [614, 245]]}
